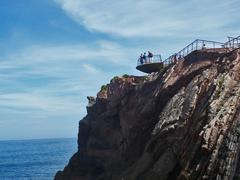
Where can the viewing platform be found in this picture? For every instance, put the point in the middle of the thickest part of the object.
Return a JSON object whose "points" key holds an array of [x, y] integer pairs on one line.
{"points": [[149, 65], [155, 63]]}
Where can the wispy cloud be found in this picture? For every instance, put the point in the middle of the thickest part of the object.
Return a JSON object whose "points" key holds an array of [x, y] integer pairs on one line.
{"points": [[90, 69], [154, 18], [102, 50], [28, 102], [55, 79]]}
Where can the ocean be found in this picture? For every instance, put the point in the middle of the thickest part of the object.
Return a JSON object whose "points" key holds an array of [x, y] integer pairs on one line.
{"points": [[34, 159]]}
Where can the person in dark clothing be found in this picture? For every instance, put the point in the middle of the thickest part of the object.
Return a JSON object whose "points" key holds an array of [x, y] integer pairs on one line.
{"points": [[145, 57], [150, 56], [141, 58], [204, 46], [175, 58]]}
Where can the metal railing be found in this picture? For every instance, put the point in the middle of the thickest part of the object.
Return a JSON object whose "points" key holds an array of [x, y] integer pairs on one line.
{"points": [[149, 60], [233, 43], [198, 44]]}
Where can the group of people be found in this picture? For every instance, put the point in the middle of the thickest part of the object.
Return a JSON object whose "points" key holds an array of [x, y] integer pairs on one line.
{"points": [[144, 58]]}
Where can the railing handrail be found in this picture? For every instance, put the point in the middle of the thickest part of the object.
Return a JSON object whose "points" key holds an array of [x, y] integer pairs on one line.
{"points": [[238, 37], [233, 43], [200, 40], [156, 58], [216, 42], [194, 46]]}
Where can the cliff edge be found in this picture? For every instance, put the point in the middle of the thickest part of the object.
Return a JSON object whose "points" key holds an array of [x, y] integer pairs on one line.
{"points": [[180, 123]]}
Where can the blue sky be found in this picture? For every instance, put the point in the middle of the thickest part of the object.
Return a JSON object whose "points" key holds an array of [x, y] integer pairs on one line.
{"points": [[54, 53]]}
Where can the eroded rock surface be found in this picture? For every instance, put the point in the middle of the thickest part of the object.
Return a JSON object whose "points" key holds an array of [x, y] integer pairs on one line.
{"points": [[182, 123]]}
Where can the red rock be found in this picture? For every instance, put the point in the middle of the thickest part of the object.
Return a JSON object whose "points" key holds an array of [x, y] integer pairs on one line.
{"points": [[180, 124]]}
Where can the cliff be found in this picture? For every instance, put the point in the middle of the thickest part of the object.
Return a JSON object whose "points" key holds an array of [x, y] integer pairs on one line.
{"points": [[181, 123]]}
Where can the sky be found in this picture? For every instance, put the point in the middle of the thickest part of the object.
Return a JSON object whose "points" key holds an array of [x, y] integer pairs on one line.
{"points": [[54, 53]]}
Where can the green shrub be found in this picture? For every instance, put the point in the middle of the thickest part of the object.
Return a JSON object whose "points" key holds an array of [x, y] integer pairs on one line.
{"points": [[220, 82], [125, 76], [104, 88], [114, 79], [146, 78]]}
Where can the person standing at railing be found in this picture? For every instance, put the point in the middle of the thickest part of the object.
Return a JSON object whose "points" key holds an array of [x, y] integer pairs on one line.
{"points": [[175, 58], [150, 56], [180, 57], [145, 57], [204, 46], [141, 58]]}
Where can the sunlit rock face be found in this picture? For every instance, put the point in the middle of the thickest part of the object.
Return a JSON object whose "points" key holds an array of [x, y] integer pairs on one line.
{"points": [[181, 123]]}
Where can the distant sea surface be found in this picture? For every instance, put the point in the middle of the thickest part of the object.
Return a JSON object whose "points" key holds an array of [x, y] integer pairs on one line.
{"points": [[34, 159]]}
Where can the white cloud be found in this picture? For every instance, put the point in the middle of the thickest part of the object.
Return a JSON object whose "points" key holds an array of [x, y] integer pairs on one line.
{"points": [[90, 69], [52, 54], [35, 102], [153, 18], [54, 80]]}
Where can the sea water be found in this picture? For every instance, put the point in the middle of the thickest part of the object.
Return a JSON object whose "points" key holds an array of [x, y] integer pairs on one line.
{"points": [[34, 159]]}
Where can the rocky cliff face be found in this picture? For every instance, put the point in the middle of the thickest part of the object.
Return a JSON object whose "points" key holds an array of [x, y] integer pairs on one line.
{"points": [[182, 123]]}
